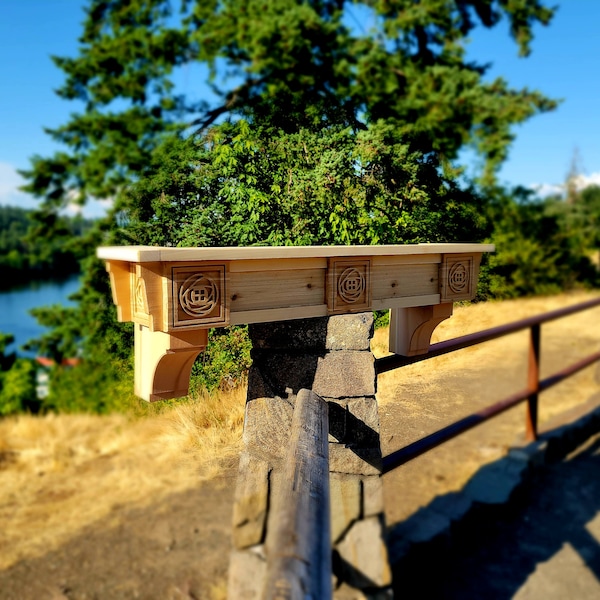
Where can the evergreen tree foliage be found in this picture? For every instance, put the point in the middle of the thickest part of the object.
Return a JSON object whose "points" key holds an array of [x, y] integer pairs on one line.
{"points": [[584, 216], [286, 63], [243, 185], [17, 381], [543, 246], [329, 121]]}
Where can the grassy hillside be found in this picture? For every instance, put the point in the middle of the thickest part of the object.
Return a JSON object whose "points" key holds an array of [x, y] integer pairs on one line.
{"points": [[61, 473]]}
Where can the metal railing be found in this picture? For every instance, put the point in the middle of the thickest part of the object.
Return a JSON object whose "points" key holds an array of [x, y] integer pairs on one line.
{"points": [[298, 541], [529, 394]]}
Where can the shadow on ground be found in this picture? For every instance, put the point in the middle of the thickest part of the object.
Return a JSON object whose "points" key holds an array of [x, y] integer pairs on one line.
{"points": [[543, 541], [176, 548]]}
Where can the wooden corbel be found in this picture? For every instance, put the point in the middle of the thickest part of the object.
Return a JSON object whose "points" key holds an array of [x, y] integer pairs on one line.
{"points": [[163, 362], [411, 328]]}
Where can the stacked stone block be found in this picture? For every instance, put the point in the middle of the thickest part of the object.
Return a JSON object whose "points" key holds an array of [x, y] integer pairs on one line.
{"points": [[331, 356]]}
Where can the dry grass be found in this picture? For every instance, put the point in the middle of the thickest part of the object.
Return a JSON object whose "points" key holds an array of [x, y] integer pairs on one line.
{"points": [[579, 332], [422, 398], [61, 473]]}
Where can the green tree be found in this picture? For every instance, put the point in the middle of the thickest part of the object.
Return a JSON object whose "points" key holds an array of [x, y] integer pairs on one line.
{"points": [[18, 389], [542, 247], [6, 359], [288, 63], [329, 121], [243, 185], [17, 380], [587, 207], [26, 253]]}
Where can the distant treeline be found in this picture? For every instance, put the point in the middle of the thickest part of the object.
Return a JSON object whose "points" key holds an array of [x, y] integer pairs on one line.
{"points": [[25, 256]]}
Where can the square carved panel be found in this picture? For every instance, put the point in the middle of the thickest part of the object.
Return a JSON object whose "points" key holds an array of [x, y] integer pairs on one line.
{"points": [[198, 296], [457, 278], [348, 285]]}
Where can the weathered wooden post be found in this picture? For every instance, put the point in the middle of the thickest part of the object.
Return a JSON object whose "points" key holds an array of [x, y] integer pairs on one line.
{"points": [[298, 545], [310, 315]]}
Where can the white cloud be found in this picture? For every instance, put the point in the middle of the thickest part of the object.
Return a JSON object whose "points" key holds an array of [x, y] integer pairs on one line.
{"points": [[10, 181], [11, 195], [581, 182], [547, 189]]}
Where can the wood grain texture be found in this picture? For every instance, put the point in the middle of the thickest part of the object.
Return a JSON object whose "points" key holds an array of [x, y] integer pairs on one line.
{"points": [[272, 289], [120, 284], [178, 290], [266, 284], [390, 282], [151, 253], [411, 328], [298, 542], [458, 276], [163, 362]]}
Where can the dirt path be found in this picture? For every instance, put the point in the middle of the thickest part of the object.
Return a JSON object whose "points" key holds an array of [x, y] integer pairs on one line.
{"points": [[177, 548]]}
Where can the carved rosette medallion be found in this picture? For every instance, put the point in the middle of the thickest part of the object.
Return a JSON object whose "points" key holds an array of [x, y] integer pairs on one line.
{"points": [[349, 285], [457, 278], [199, 296]]}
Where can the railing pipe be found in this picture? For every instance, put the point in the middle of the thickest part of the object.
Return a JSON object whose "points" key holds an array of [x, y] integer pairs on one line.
{"points": [[388, 363], [298, 542], [402, 456]]}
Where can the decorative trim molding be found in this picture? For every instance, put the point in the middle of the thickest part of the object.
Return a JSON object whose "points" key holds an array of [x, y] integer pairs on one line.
{"points": [[174, 295], [139, 298], [411, 328]]}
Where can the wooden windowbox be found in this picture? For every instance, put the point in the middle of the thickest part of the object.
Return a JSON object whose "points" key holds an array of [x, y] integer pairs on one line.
{"points": [[174, 295]]}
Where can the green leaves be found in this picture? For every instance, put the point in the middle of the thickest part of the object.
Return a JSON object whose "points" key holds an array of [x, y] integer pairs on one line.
{"points": [[17, 388], [17, 380], [542, 246], [287, 64], [127, 50], [243, 185], [328, 122]]}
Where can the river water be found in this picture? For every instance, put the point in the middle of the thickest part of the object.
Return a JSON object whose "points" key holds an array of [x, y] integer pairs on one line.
{"points": [[15, 306]]}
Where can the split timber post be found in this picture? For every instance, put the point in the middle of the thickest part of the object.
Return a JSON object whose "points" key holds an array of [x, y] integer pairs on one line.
{"points": [[310, 315], [298, 545]]}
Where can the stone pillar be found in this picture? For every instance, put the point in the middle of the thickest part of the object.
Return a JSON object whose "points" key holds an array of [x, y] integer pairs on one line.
{"points": [[331, 356]]}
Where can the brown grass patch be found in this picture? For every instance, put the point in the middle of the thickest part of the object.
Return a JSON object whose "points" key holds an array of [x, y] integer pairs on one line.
{"points": [[574, 335], [419, 399], [61, 473]]}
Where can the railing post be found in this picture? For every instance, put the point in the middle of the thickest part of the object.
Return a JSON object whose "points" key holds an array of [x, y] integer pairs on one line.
{"points": [[533, 383], [298, 545]]}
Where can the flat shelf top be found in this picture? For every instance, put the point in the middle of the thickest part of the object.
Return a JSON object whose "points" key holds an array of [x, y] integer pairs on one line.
{"points": [[140, 254]]}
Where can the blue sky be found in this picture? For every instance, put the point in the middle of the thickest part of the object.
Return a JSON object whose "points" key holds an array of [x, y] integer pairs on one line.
{"points": [[565, 63]]}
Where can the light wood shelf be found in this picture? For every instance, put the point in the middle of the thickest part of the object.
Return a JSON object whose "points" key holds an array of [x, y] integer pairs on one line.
{"points": [[174, 295]]}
